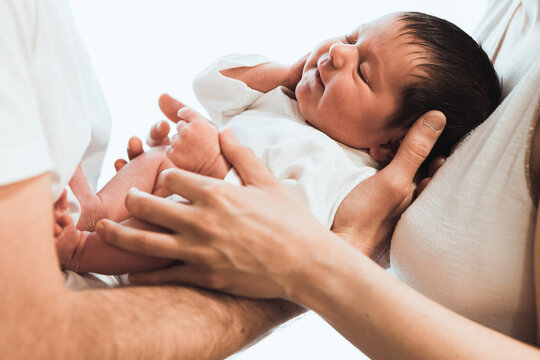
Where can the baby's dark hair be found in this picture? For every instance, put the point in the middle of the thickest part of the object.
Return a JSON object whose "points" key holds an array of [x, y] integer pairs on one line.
{"points": [[456, 78]]}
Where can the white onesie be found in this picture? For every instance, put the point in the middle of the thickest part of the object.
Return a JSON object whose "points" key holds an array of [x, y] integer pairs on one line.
{"points": [[317, 168]]}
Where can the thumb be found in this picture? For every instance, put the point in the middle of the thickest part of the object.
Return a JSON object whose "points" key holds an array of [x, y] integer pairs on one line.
{"points": [[416, 146]]}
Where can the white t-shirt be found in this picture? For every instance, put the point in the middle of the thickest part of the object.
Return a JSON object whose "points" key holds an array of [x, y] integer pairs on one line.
{"points": [[467, 241], [318, 169], [52, 111]]}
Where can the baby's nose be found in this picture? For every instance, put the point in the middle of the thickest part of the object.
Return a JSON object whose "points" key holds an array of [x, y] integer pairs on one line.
{"points": [[339, 54]]}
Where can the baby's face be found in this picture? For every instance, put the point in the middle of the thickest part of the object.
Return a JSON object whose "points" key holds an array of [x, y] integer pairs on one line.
{"points": [[352, 85]]}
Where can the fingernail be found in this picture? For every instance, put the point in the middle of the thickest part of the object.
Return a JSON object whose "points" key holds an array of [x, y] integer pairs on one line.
{"points": [[434, 121], [134, 190], [159, 126], [181, 110]]}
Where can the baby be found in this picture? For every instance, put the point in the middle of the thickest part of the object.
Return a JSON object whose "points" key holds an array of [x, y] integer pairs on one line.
{"points": [[321, 125]]}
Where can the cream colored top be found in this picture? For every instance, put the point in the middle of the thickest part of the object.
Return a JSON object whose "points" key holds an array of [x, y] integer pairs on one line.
{"points": [[467, 241]]}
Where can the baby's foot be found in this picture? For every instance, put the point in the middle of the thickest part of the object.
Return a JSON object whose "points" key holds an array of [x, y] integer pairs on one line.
{"points": [[66, 236], [196, 146]]}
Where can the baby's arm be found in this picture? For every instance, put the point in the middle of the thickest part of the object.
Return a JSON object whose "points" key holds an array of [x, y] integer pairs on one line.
{"points": [[267, 76]]}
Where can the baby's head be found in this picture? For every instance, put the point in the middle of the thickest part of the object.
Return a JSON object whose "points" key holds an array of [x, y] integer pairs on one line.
{"points": [[367, 88]]}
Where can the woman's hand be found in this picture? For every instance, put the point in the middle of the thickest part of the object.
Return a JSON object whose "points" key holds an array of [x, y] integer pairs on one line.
{"points": [[253, 240], [367, 216]]}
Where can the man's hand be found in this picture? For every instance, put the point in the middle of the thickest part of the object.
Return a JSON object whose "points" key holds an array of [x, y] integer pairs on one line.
{"points": [[196, 146]]}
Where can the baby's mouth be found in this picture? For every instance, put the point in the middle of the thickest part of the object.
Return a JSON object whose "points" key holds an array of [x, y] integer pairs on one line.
{"points": [[318, 76]]}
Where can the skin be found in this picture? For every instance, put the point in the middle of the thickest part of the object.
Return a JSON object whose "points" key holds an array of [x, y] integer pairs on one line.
{"points": [[297, 260], [195, 148], [300, 262], [39, 313], [364, 72]]}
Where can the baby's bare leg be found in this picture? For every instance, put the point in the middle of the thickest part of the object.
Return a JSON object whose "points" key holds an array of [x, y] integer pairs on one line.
{"points": [[108, 203]]}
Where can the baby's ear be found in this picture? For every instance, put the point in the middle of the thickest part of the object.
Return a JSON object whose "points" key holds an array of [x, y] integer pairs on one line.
{"points": [[383, 153]]}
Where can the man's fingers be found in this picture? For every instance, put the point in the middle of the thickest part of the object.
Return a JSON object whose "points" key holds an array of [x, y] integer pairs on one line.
{"points": [[135, 147], [138, 241], [156, 210], [170, 106], [416, 145], [243, 159]]}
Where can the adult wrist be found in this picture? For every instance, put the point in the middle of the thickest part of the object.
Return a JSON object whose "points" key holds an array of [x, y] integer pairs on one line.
{"points": [[314, 270]]}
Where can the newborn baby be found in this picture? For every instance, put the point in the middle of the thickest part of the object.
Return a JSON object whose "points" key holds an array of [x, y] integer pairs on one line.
{"points": [[321, 125]]}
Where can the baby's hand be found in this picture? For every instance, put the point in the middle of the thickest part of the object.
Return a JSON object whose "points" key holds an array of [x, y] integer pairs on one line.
{"points": [[196, 146]]}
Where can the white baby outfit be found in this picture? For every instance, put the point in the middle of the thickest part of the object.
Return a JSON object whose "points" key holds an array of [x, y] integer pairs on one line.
{"points": [[317, 168], [467, 241]]}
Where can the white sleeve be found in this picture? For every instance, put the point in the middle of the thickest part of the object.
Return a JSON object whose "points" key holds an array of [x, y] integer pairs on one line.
{"points": [[224, 97], [24, 151]]}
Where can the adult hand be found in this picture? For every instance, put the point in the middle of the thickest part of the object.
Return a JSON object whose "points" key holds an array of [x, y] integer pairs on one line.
{"points": [[159, 132], [367, 216], [229, 242]]}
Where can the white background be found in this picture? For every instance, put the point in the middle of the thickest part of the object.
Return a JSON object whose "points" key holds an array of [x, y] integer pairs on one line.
{"points": [[141, 49]]}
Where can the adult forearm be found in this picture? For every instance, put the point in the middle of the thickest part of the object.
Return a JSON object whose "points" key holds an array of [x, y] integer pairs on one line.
{"points": [[387, 319], [168, 322]]}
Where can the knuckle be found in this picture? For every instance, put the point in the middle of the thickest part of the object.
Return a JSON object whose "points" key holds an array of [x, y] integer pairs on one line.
{"points": [[418, 152], [209, 222], [397, 187], [143, 243], [169, 178], [139, 206], [217, 194]]}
